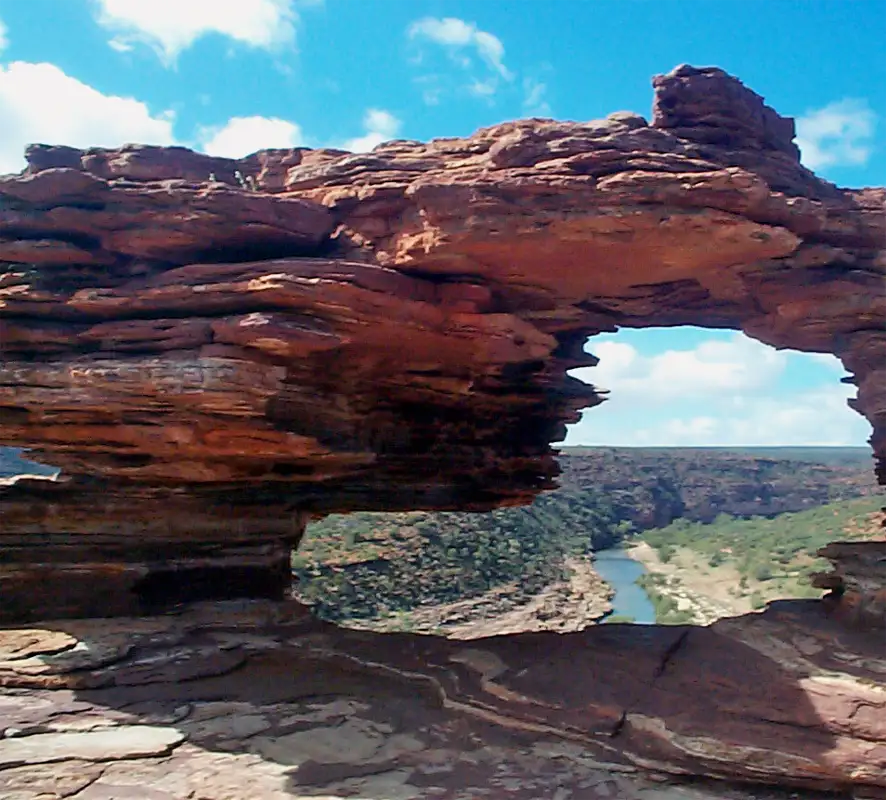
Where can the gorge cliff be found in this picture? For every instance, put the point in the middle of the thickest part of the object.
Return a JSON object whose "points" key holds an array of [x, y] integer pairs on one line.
{"points": [[413, 570]]}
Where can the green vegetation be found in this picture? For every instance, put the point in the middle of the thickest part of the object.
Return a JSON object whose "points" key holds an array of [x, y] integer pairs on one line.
{"points": [[776, 555], [667, 611], [366, 565], [384, 566]]}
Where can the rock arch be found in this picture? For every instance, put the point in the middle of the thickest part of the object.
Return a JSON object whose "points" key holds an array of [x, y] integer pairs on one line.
{"points": [[212, 350]]}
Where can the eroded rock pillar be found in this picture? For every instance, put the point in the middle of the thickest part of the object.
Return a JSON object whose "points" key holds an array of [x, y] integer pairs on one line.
{"points": [[71, 549], [858, 582]]}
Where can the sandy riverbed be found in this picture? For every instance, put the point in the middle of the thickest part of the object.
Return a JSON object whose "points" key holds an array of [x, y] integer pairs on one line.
{"points": [[708, 593]]}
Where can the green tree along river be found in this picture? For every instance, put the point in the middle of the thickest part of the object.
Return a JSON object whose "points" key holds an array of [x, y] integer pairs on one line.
{"points": [[369, 565]]}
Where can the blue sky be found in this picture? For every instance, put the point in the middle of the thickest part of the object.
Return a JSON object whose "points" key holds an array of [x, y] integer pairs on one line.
{"points": [[232, 76]]}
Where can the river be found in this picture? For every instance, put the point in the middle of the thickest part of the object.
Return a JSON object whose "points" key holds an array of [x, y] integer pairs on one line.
{"points": [[620, 571]]}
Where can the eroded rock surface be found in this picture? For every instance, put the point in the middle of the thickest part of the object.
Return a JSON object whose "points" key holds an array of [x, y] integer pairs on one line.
{"points": [[261, 700], [857, 583]]}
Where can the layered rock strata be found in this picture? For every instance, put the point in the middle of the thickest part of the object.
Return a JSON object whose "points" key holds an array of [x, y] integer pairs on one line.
{"points": [[212, 349], [652, 487]]}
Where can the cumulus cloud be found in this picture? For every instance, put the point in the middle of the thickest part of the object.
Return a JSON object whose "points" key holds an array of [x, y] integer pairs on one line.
{"points": [[69, 112], [715, 367], [465, 44], [720, 392], [838, 135], [820, 418], [171, 26], [241, 136], [380, 126], [4, 38], [76, 114], [817, 417]]}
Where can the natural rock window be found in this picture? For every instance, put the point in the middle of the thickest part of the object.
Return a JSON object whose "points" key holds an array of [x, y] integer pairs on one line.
{"points": [[381, 333], [687, 497]]}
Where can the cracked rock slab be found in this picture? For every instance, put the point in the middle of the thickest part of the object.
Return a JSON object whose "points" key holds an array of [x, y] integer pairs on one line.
{"points": [[308, 710], [109, 744]]}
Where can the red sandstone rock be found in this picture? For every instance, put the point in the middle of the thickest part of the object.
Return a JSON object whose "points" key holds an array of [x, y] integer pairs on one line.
{"points": [[710, 106], [214, 349], [858, 589], [247, 699], [309, 331]]}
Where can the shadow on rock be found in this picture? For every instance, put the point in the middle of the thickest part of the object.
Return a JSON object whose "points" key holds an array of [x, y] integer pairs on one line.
{"points": [[261, 700]]}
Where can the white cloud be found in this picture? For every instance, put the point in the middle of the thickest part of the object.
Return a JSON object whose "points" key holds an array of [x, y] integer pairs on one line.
{"points": [[72, 113], [465, 45], [171, 26], [4, 38], [714, 367], [241, 136], [720, 392], [492, 51], [40, 103], [432, 88], [485, 88], [840, 134], [380, 125], [827, 360], [458, 35], [534, 103], [819, 418]]}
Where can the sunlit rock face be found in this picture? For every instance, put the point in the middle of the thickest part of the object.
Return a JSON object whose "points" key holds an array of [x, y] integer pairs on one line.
{"points": [[212, 350]]}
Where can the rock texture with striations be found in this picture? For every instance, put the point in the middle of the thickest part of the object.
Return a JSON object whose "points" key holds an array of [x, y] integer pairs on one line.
{"points": [[237, 700]]}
